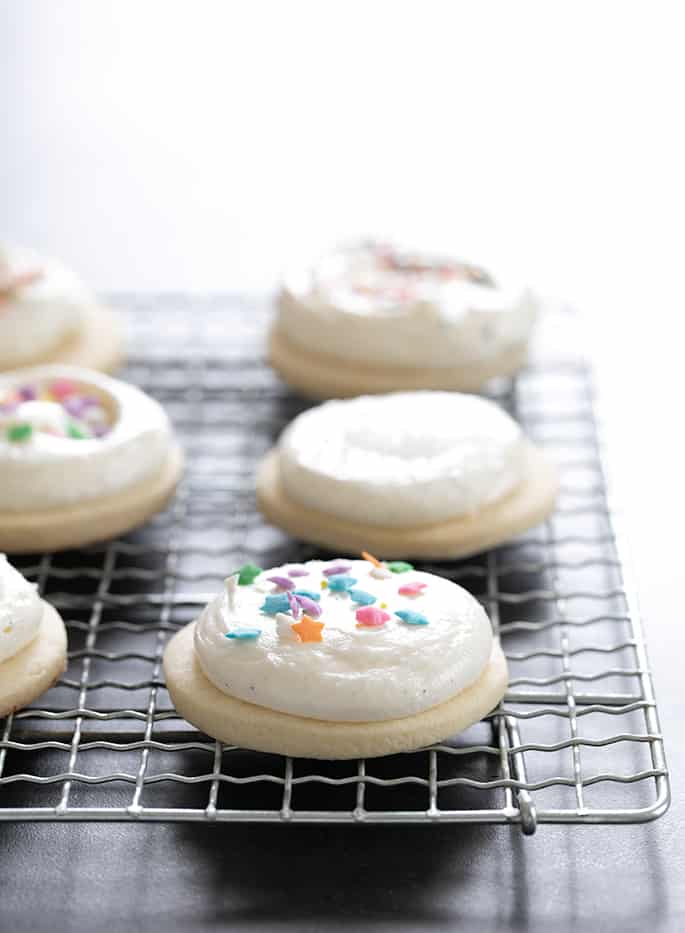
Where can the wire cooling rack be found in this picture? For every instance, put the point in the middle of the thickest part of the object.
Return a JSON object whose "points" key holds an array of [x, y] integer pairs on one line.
{"points": [[576, 739]]}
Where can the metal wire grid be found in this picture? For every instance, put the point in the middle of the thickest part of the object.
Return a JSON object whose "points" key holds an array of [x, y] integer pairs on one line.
{"points": [[576, 739]]}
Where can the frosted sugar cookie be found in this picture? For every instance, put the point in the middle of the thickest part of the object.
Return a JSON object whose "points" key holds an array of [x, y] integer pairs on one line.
{"points": [[418, 474], [83, 457], [344, 659], [48, 315], [371, 318], [33, 642]]}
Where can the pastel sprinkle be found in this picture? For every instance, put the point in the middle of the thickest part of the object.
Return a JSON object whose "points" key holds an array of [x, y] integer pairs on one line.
{"points": [[380, 573], [383, 605], [76, 432], [324, 585], [19, 432], [308, 629], [285, 583], [247, 574], [309, 606], [310, 594], [298, 572], [244, 634], [372, 617], [336, 569], [61, 388], [371, 559], [399, 566], [361, 597], [274, 604], [412, 618], [294, 605], [412, 589], [340, 584], [27, 394]]}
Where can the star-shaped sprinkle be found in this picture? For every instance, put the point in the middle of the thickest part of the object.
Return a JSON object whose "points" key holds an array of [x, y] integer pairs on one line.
{"points": [[371, 617], [412, 589], [248, 573], [361, 597], [340, 584], [244, 634], [308, 629], [274, 604], [399, 566], [412, 618]]}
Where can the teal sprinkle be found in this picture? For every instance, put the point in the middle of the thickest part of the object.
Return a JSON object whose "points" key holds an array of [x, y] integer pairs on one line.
{"points": [[399, 566], [274, 604], [412, 618], [340, 583], [361, 597], [244, 634], [309, 593]]}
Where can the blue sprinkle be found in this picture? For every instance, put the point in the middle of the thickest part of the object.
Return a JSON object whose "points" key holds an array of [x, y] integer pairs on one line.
{"points": [[274, 604], [412, 618], [308, 593], [339, 583], [244, 633], [361, 597]]}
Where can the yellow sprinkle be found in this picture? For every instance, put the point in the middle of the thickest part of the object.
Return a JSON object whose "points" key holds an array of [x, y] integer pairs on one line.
{"points": [[324, 585], [383, 605]]}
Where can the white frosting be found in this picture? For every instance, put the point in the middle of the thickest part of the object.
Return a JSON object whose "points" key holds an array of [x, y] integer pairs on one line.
{"points": [[409, 458], [354, 674], [49, 471], [36, 317], [21, 611], [372, 304]]}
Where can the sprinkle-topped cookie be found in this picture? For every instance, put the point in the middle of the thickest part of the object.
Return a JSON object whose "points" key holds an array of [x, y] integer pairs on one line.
{"points": [[55, 407]]}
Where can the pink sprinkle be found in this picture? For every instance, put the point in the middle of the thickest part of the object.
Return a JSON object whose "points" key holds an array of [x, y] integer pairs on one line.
{"points": [[336, 569], [311, 607], [371, 616], [412, 589], [298, 572], [294, 605], [284, 582], [61, 388]]}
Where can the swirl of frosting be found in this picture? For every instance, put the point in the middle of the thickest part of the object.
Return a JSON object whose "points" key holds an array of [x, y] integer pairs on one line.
{"points": [[69, 434], [389, 644], [41, 305], [372, 304], [21, 611], [408, 458]]}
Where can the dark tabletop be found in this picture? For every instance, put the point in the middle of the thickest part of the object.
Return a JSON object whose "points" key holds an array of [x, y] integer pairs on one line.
{"points": [[96, 876]]}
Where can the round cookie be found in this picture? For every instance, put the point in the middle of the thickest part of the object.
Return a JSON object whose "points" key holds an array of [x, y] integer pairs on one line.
{"points": [[47, 315], [33, 642], [370, 318], [422, 474], [364, 661], [83, 457]]}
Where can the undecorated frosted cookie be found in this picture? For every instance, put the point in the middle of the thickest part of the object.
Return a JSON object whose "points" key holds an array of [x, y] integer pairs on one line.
{"points": [[339, 659], [372, 318], [48, 315], [33, 641], [83, 457], [424, 474]]}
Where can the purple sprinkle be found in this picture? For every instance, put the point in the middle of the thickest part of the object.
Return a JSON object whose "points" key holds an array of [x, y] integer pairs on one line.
{"points": [[284, 582], [100, 430], [336, 569], [298, 572], [310, 607], [74, 405], [7, 407], [27, 394], [294, 605]]}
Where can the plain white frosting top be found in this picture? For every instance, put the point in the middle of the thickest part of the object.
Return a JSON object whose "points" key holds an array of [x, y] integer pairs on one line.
{"points": [[38, 316], [370, 303], [354, 674], [50, 471], [408, 458], [21, 611]]}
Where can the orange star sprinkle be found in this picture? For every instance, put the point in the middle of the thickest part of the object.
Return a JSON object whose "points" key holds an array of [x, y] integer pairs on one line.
{"points": [[308, 629], [371, 559]]}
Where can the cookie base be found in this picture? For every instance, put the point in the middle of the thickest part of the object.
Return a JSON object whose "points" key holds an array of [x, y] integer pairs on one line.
{"points": [[324, 375], [35, 669], [92, 520], [238, 723], [528, 504], [97, 344]]}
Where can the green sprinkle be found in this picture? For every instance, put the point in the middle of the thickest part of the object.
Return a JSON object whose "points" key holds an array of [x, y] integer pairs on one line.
{"points": [[19, 432], [73, 430], [399, 566], [247, 574]]}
